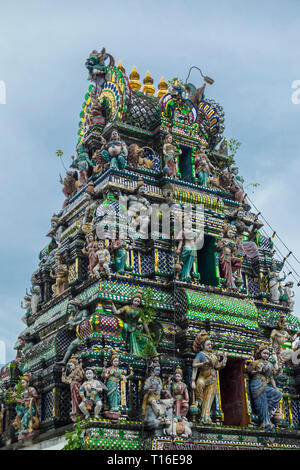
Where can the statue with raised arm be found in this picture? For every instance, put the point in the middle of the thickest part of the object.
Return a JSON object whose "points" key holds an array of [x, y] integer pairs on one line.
{"points": [[203, 166], [170, 153], [204, 375], [230, 263]]}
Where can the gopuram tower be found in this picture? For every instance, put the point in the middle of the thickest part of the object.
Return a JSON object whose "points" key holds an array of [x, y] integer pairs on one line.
{"points": [[159, 316]]}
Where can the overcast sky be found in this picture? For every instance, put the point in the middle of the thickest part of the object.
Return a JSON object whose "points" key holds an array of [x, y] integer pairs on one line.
{"points": [[251, 49]]}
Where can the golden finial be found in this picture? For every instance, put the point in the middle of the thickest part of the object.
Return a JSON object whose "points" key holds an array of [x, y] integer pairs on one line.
{"points": [[162, 87], [121, 66], [134, 82], [148, 85]]}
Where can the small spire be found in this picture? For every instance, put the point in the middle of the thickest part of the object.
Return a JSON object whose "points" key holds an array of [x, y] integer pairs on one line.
{"points": [[134, 82], [121, 66], [148, 85], [162, 87]]}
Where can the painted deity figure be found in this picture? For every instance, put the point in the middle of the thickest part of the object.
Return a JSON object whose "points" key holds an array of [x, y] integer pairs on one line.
{"points": [[203, 167], [90, 394], [83, 164], [89, 215], [26, 305], [60, 274], [152, 389], [120, 249], [102, 256], [73, 375], [179, 392], [112, 376], [90, 249], [139, 211], [265, 395], [204, 375], [70, 185], [236, 187], [95, 112], [230, 263], [189, 242], [279, 335], [116, 151], [288, 294], [170, 153], [274, 283], [136, 340], [27, 419]]}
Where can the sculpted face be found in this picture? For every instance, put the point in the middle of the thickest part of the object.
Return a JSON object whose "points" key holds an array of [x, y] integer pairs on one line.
{"points": [[89, 374], [115, 135], [178, 377], [115, 362], [207, 345], [156, 371], [265, 354], [136, 301]]}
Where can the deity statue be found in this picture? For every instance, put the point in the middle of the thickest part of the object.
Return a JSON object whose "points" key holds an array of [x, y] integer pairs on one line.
{"points": [[70, 185], [83, 164], [170, 153], [203, 166], [119, 246], [179, 392], [135, 157], [279, 335], [26, 305], [288, 294], [102, 256], [115, 152], [73, 375], [204, 375], [56, 230], [60, 275], [189, 240], [90, 249], [90, 396], [139, 210], [87, 221], [112, 376], [77, 314], [274, 283], [229, 262], [245, 226], [27, 419], [265, 395], [236, 187], [95, 112], [131, 316]]}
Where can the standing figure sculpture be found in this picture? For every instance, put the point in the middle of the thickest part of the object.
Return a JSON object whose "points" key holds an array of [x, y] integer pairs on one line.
{"points": [[274, 283], [90, 249], [170, 153], [89, 393], [102, 256], [115, 152], [73, 375], [120, 248], [112, 376], [203, 167], [179, 392], [189, 242], [27, 420], [139, 211], [279, 335], [60, 274], [70, 185], [204, 375], [265, 395], [230, 263]]}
